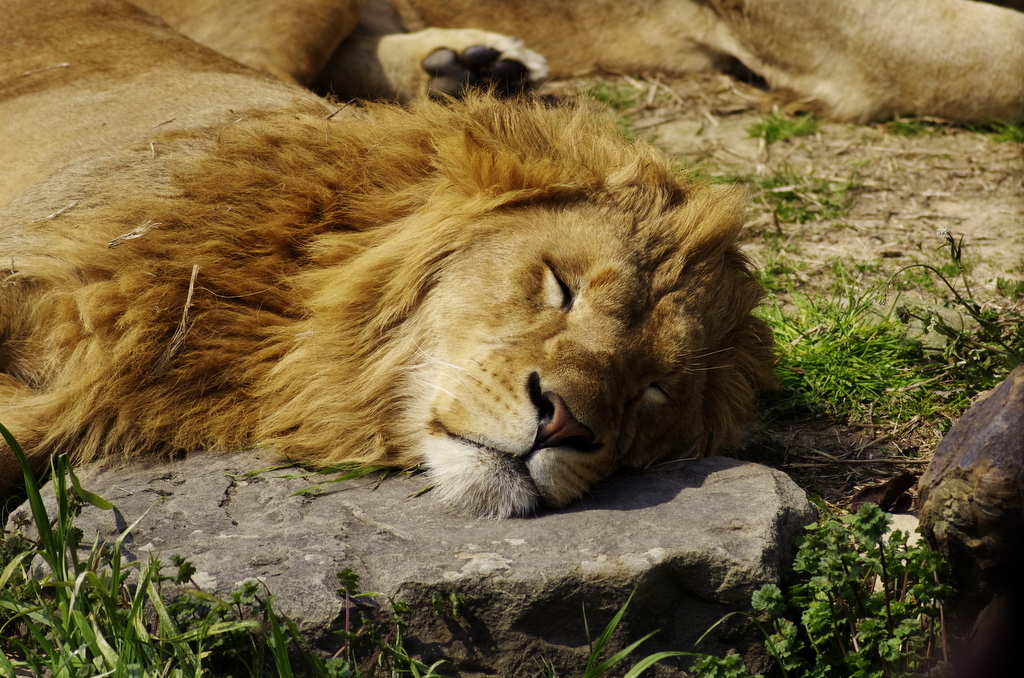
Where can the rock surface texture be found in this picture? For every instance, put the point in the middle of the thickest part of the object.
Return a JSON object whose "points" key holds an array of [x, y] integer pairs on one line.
{"points": [[972, 494], [971, 502], [694, 543]]}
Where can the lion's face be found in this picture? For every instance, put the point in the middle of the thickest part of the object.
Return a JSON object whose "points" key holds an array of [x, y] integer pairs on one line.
{"points": [[564, 344]]}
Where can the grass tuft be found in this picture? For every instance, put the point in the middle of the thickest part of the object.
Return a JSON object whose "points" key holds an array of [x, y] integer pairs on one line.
{"points": [[775, 127], [1000, 132], [853, 353], [798, 199], [841, 355], [617, 96], [1004, 132], [911, 127], [1010, 288]]}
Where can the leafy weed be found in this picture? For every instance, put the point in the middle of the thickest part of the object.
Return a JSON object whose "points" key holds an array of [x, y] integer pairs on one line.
{"points": [[861, 604]]}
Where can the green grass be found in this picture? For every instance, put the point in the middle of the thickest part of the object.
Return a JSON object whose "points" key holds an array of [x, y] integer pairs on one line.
{"points": [[843, 355], [1010, 288], [911, 127], [859, 350], [617, 96], [798, 199], [81, 618], [1006, 132], [775, 127], [1000, 132], [780, 265]]}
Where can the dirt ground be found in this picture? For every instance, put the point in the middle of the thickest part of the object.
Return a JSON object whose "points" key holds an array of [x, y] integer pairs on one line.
{"points": [[904, 190]]}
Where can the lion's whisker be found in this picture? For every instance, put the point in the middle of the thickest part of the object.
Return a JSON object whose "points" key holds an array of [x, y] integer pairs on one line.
{"points": [[454, 397], [710, 353], [713, 367]]}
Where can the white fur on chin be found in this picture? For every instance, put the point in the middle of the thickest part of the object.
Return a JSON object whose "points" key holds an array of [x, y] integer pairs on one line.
{"points": [[473, 480]]}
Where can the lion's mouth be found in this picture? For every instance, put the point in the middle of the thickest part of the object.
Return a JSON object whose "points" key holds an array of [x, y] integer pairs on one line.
{"points": [[503, 463], [488, 447], [474, 475], [508, 461]]}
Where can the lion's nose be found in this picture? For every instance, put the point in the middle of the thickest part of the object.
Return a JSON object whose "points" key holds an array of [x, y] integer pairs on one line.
{"points": [[556, 425]]}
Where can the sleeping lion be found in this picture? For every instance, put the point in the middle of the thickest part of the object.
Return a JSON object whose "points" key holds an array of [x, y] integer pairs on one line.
{"points": [[198, 256], [852, 60]]}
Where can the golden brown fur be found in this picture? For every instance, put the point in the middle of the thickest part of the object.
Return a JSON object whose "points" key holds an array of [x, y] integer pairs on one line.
{"points": [[385, 285], [848, 60]]}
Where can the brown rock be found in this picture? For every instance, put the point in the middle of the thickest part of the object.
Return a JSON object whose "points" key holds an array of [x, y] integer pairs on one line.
{"points": [[972, 494]]}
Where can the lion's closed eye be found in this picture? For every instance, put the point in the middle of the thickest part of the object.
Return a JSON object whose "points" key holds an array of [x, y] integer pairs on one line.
{"points": [[557, 294], [656, 394]]}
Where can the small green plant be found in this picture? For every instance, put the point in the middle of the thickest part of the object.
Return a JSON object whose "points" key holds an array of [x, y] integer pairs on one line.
{"points": [[861, 604], [381, 633], [775, 127]]}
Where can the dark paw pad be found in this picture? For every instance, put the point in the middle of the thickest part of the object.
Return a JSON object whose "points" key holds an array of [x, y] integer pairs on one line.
{"points": [[478, 67]]}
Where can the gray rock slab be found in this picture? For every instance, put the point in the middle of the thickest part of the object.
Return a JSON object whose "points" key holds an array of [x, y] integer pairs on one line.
{"points": [[694, 542]]}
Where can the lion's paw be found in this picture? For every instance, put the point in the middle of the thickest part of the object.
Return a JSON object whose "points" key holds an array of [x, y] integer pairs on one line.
{"points": [[449, 61], [507, 69]]}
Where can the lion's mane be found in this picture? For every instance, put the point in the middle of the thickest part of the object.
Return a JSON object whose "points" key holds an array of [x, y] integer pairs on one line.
{"points": [[263, 284]]}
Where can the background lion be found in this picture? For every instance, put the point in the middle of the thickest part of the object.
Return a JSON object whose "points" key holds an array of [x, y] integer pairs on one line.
{"points": [[353, 49], [857, 61], [202, 257]]}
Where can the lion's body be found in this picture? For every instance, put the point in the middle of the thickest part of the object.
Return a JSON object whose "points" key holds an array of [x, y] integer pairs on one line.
{"points": [[197, 256], [857, 61]]}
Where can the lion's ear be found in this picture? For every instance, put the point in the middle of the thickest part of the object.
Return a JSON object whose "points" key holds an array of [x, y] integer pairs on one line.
{"points": [[644, 186], [710, 219]]}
